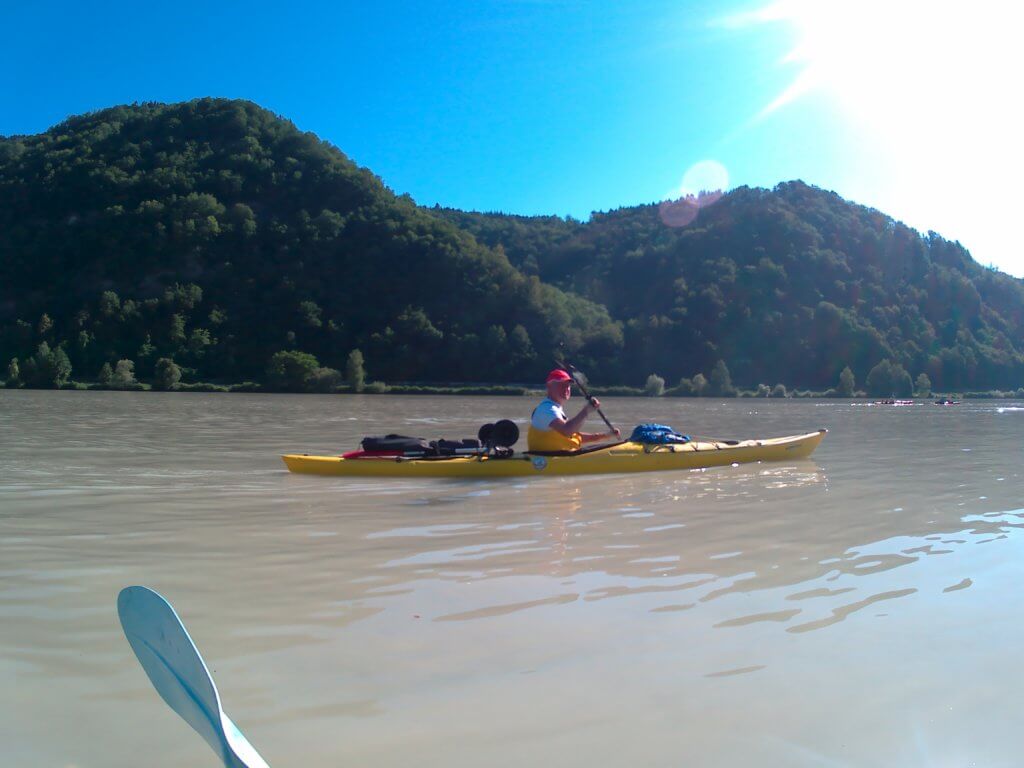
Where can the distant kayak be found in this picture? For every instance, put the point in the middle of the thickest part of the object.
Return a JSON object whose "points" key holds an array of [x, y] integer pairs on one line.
{"points": [[611, 459], [947, 402], [893, 402]]}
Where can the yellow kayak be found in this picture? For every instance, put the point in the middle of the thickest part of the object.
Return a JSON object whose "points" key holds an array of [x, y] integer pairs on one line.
{"points": [[621, 457]]}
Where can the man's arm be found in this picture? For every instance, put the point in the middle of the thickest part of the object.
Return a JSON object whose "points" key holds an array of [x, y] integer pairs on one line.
{"points": [[572, 426]]}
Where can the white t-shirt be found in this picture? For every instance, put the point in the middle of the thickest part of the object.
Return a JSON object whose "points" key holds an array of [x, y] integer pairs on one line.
{"points": [[545, 413]]}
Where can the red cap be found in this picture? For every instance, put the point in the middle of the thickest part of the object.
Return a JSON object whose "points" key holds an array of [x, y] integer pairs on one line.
{"points": [[558, 375]]}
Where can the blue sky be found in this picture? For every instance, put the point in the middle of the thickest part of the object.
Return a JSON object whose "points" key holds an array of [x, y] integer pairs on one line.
{"points": [[562, 108]]}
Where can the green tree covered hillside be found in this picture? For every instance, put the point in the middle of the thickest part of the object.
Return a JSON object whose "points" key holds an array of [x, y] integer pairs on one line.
{"points": [[786, 285], [212, 240], [216, 235]]}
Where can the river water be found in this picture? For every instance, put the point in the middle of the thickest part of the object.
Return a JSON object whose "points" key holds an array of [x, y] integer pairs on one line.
{"points": [[861, 608]]}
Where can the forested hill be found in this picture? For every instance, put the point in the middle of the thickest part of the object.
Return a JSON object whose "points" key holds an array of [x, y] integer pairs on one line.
{"points": [[217, 238], [216, 234], [785, 285]]}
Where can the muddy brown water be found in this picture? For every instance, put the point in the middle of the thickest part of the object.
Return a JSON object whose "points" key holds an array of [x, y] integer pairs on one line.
{"points": [[861, 608]]}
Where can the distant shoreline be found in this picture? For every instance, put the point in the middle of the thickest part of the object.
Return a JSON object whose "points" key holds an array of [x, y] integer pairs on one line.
{"points": [[506, 390]]}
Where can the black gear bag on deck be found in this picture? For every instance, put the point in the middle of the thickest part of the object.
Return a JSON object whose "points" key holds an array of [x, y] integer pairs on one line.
{"points": [[394, 443]]}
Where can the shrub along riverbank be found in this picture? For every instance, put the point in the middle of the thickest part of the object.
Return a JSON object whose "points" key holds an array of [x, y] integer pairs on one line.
{"points": [[380, 388], [293, 371], [301, 372]]}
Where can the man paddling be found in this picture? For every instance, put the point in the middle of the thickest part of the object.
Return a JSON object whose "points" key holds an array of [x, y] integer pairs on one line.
{"points": [[550, 430]]}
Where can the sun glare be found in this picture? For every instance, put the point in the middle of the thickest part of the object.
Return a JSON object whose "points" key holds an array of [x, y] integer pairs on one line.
{"points": [[879, 55], [929, 87]]}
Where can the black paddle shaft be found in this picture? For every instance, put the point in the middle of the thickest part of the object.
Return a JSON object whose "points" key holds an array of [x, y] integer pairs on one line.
{"points": [[568, 368]]}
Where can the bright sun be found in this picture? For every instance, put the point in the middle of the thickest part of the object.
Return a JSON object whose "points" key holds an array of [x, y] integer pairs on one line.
{"points": [[931, 87], [876, 55]]}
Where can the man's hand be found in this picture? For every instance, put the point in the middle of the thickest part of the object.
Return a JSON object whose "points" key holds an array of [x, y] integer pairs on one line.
{"points": [[615, 432], [594, 403]]}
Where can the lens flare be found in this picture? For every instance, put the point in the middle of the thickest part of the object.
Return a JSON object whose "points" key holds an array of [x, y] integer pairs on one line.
{"points": [[703, 184]]}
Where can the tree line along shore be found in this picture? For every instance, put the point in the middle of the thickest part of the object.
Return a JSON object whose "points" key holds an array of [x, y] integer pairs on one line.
{"points": [[300, 372]]}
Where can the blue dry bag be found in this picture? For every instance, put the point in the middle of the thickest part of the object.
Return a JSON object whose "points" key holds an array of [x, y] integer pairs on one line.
{"points": [[656, 434]]}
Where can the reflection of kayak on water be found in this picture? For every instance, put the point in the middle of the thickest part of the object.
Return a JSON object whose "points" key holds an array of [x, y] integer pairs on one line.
{"points": [[608, 459]]}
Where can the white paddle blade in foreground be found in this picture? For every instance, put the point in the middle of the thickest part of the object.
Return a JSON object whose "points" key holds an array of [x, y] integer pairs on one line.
{"points": [[179, 674]]}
